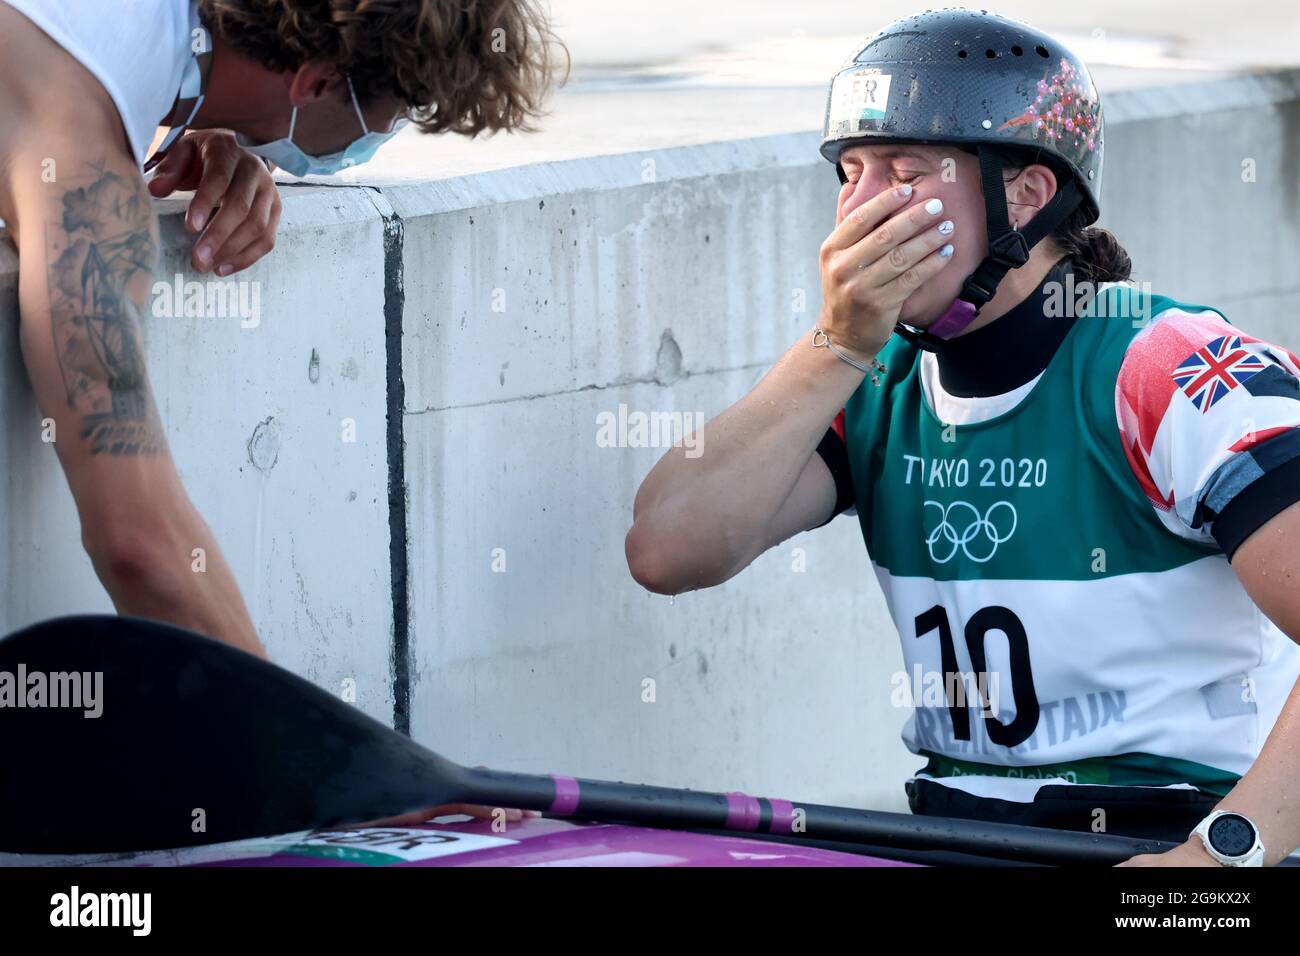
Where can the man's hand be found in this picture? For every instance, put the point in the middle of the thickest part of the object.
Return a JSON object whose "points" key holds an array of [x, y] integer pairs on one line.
{"points": [[452, 809], [231, 181]]}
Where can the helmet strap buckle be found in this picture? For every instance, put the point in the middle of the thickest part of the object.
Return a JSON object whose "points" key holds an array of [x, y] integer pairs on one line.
{"points": [[1009, 249]]}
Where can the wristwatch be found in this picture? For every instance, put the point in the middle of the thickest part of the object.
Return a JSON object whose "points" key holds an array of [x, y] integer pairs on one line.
{"points": [[1231, 839]]}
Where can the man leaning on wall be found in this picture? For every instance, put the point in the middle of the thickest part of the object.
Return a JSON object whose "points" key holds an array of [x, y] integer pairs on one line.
{"points": [[309, 86]]}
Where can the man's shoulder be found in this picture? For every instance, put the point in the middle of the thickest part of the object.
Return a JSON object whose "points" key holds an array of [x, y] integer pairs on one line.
{"points": [[63, 76], [46, 92]]}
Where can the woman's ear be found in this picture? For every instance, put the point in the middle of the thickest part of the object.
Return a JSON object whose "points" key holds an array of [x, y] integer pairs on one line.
{"points": [[1031, 190]]}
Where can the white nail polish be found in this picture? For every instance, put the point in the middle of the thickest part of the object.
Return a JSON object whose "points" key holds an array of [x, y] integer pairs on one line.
{"points": [[945, 227], [946, 251], [933, 206]]}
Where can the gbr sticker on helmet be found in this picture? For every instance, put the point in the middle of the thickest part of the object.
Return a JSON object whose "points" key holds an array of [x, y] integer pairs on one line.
{"points": [[856, 99]]}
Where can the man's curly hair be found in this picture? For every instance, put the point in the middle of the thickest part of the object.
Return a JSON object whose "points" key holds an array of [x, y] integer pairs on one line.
{"points": [[462, 66]]}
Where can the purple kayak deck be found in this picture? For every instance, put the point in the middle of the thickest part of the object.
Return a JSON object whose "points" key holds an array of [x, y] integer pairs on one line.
{"points": [[532, 842]]}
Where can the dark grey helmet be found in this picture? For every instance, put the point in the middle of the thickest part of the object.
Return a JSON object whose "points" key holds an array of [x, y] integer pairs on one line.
{"points": [[983, 82], [967, 77]]}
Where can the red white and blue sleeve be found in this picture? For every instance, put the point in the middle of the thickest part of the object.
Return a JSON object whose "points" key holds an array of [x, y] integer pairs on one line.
{"points": [[833, 450], [1210, 420]]}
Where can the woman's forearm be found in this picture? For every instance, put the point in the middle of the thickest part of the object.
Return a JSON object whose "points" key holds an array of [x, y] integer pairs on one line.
{"points": [[1268, 794], [699, 520]]}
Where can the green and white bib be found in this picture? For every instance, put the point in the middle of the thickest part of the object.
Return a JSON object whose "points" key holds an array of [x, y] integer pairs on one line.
{"points": [[1054, 629]]}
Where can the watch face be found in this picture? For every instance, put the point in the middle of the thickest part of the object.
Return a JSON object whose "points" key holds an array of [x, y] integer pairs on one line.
{"points": [[1232, 835]]}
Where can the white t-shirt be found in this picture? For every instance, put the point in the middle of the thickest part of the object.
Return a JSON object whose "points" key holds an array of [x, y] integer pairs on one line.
{"points": [[956, 410], [137, 49]]}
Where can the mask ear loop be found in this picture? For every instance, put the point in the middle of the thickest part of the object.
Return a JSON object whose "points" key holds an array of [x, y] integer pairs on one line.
{"points": [[357, 106]]}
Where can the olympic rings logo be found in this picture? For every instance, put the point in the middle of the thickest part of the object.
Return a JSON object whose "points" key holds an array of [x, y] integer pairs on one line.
{"points": [[983, 530]]}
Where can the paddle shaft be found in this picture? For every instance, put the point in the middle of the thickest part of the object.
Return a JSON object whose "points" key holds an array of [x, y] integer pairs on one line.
{"points": [[694, 809]]}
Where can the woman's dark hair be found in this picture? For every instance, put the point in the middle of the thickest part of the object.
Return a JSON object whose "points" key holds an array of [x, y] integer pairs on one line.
{"points": [[1095, 254]]}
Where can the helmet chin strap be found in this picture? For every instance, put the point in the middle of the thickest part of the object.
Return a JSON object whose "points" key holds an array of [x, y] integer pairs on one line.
{"points": [[1008, 249]]}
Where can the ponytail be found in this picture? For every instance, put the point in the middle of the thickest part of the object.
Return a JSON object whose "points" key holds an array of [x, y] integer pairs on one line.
{"points": [[1095, 254]]}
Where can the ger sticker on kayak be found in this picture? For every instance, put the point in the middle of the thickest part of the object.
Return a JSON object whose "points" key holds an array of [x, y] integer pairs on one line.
{"points": [[856, 99], [361, 846], [380, 846]]}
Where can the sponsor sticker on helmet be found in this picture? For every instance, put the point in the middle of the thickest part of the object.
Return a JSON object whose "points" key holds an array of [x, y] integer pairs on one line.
{"points": [[857, 98]]}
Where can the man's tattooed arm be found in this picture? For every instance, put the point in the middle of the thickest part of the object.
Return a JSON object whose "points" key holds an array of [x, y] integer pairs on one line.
{"points": [[101, 249], [80, 216]]}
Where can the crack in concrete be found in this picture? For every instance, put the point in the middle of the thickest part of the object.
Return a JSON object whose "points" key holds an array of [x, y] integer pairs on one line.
{"points": [[616, 383]]}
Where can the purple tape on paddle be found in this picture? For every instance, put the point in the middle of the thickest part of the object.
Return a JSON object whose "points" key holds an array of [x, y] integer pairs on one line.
{"points": [[566, 796], [743, 812], [782, 816], [957, 316]]}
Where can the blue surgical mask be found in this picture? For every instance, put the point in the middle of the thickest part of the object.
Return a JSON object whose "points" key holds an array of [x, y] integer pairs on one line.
{"points": [[289, 156]]}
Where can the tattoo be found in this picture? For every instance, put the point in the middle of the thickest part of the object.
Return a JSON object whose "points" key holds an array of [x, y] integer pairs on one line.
{"points": [[101, 247]]}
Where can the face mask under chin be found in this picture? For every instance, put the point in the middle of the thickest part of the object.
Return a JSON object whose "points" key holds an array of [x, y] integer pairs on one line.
{"points": [[289, 156]]}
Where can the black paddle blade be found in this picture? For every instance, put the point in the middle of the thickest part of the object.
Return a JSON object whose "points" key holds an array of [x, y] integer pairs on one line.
{"points": [[195, 742]]}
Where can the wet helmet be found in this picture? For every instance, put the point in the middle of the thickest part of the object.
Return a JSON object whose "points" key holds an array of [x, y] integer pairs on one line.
{"points": [[984, 83]]}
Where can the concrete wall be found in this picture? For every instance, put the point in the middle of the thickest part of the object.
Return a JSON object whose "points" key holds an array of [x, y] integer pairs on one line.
{"points": [[462, 559], [301, 515]]}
